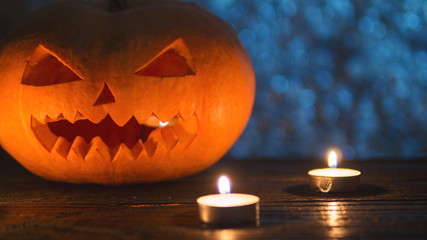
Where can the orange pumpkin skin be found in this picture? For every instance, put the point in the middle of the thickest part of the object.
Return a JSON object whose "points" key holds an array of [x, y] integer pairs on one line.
{"points": [[77, 69]]}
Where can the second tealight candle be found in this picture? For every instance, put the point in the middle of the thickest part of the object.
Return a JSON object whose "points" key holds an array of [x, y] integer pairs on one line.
{"points": [[334, 179]]}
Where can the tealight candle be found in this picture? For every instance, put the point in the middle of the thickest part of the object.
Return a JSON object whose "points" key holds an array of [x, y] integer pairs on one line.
{"points": [[334, 179], [226, 208]]}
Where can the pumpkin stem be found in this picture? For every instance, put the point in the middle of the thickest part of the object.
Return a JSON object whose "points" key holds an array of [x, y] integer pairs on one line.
{"points": [[116, 5]]}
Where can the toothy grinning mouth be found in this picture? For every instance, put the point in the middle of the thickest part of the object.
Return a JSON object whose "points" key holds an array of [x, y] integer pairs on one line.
{"points": [[83, 136], [109, 132]]}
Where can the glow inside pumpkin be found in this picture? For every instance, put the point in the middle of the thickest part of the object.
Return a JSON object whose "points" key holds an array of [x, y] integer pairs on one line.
{"points": [[44, 68], [157, 91]]}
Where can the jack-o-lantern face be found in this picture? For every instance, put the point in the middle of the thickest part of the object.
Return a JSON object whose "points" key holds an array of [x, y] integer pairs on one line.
{"points": [[94, 130], [155, 93]]}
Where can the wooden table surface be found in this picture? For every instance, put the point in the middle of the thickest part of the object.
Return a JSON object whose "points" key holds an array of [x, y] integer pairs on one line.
{"points": [[391, 204]]}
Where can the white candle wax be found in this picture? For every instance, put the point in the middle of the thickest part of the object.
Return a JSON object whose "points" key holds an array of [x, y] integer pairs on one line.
{"points": [[228, 209], [334, 172], [228, 200]]}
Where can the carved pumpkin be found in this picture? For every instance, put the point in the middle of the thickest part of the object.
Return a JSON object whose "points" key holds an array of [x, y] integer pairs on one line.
{"points": [[154, 90]]}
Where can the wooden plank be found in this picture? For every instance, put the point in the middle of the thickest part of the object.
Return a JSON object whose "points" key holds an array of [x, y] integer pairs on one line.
{"points": [[301, 220], [392, 204]]}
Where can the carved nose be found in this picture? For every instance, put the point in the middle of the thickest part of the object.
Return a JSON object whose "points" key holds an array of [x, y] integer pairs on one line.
{"points": [[106, 96]]}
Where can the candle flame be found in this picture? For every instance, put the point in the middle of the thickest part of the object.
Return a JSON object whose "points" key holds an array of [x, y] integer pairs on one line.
{"points": [[332, 159], [163, 124], [224, 185]]}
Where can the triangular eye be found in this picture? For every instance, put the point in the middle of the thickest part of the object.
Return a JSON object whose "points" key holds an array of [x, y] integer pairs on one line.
{"points": [[43, 69], [173, 61]]}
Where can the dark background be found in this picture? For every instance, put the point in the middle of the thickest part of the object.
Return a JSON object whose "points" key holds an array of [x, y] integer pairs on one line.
{"points": [[349, 74]]}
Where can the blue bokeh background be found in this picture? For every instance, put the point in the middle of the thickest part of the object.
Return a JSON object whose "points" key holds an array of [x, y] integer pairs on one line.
{"points": [[349, 74]]}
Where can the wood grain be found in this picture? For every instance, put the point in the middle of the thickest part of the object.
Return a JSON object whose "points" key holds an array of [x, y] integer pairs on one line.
{"points": [[391, 204]]}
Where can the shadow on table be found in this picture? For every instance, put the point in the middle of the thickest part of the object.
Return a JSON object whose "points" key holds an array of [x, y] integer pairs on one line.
{"points": [[304, 190]]}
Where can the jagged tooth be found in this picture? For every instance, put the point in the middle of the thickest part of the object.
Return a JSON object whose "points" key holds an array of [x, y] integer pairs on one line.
{"points": [[142, 117], [150, 147], [114, 140], [55, 117], [97, 166], [184, 137], [153, 142], [123, 154], [98, 148], [35, 122], [121, 118], [69, 116], [62, 147], [60, 117], [173, 121], [49, 119], [96, 117], [79, 148], [41, 118], [43, 134], [77, 116], [169, 137], [97, 161], [166, 117], [191, 124], [137, 149], [143, 155], [152, 121]]}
